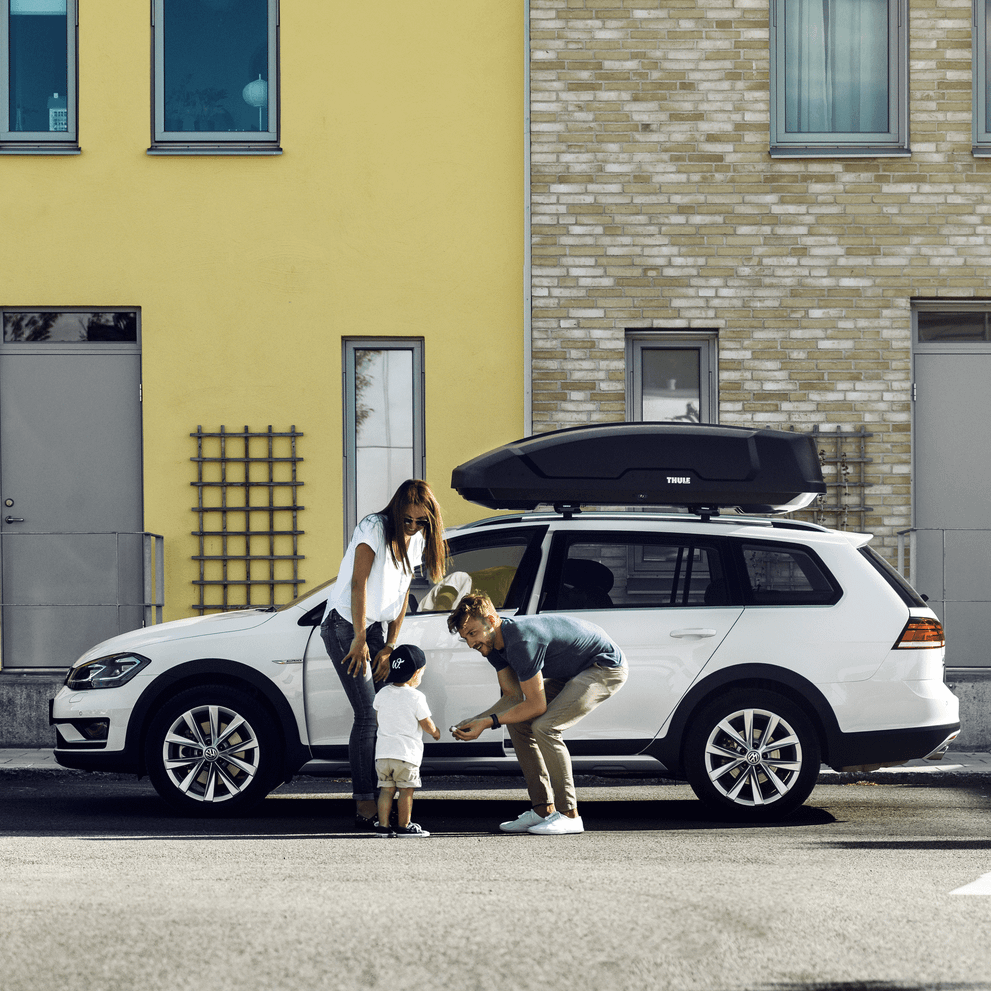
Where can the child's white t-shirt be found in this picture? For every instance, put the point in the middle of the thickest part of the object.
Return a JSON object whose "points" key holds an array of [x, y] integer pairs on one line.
{"points": [[387, 583], [400, 709]]}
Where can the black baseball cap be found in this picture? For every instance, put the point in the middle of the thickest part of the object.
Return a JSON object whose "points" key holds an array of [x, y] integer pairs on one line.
{"points": [[405, 661]]}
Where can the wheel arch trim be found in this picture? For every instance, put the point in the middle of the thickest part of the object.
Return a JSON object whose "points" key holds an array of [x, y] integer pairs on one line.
{"points": [[768, 677], [232, 674]]}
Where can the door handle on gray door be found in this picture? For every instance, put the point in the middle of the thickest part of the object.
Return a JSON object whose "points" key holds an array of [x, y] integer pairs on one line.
{"points": [[692, 634], [14, 519]]}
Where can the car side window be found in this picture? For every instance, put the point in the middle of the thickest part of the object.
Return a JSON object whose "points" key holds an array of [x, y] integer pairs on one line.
{"points": [[629, 572], [786, 576], [497, 564]]}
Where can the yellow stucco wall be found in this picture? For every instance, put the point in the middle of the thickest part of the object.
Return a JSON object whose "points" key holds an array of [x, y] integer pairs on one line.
{"points": [[395, 210]]}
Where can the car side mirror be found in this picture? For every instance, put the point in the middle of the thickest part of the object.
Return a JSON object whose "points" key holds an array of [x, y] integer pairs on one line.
{"points": [[312, 617]]}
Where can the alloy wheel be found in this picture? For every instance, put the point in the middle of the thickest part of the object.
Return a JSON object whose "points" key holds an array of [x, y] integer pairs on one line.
{"points": [[753, 757], [210, 753]]}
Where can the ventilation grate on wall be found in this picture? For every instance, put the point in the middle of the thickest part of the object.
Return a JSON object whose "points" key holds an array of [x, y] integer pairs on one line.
{"points": [[248, 513]]}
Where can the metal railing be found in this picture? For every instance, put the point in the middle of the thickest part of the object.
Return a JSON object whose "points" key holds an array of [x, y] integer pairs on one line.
{"points": [[912, 550], [152, 601]]}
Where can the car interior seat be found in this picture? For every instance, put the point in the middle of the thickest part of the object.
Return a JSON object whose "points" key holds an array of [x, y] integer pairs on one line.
{"points": [[585, 585]]}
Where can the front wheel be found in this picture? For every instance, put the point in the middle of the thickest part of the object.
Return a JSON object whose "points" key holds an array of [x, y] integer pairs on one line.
{"points": [[752, 754], [212, 751]]}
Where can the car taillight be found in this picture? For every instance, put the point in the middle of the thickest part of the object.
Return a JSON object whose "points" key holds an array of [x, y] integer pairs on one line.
{"points": [[921, 633]]}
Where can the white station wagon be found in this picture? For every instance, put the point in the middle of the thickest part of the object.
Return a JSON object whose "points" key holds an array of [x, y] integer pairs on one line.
{"points": [[758, 648]]}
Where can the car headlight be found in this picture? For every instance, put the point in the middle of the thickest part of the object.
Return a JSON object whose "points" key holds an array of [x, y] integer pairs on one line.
{"points": [[105, 672]]}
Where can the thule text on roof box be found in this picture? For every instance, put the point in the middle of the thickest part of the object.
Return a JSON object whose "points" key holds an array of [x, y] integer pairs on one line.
{"points": [[699, 466]]}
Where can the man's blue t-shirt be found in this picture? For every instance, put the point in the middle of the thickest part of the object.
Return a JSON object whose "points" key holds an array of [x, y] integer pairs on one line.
{"points": [[558, 647]]}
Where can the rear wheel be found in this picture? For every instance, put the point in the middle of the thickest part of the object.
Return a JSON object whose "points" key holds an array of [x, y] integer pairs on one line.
{"points": [[212, 751], [753, 755]]}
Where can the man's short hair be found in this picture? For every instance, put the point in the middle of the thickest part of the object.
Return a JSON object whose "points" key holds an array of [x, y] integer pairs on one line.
{"points": [[475, 605]]}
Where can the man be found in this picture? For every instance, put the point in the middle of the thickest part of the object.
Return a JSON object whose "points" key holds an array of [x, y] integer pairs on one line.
{"points": [[553, 670]]}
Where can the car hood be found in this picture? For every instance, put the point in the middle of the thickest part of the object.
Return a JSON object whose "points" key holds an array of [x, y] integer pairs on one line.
{"points": [[182, 629]]}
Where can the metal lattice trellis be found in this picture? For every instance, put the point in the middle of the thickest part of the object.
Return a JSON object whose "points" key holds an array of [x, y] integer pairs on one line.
{"points": [[237, 484], [844, 460]]}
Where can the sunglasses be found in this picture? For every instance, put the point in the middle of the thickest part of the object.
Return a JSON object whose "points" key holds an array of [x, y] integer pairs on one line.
{"points": [[421, 523]]}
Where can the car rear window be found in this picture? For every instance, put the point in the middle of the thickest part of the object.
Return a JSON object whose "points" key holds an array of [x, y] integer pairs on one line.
{"points": [[905, 591], [779, 575]]}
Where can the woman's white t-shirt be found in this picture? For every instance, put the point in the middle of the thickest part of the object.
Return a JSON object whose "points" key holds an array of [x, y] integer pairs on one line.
{"points": [[387, 584]]}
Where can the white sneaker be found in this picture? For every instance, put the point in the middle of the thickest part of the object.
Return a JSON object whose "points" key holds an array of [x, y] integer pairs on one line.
{"points": [[557, 825], [522, 824]]}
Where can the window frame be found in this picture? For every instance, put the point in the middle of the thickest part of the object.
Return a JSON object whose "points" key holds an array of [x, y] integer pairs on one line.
{"points": [[705, 342], [41, 142], [891, 143], [62, 347], [946, 306], [349, 346], [165, 142], [982, 79]]}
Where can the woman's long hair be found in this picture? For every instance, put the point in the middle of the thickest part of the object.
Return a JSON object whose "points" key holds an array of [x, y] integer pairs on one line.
{"points": [[415, 492]]}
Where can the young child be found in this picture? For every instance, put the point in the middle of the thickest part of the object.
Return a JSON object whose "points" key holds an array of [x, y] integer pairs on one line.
{"points": [[402, 712]]}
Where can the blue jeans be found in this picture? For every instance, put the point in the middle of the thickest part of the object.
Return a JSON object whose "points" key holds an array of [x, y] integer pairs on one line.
{"points": [[337, 634]]}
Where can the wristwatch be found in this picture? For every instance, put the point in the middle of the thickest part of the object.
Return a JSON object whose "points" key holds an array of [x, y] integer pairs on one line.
{"points": [[495, 721]]}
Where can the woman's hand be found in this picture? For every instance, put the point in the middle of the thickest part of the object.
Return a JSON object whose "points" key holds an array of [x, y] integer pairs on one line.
{"points": [[380, 666], [357, 657]]}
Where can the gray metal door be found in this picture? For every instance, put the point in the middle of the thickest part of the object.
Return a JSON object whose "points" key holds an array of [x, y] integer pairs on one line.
{"points": [[70, 487], [952, 470]]}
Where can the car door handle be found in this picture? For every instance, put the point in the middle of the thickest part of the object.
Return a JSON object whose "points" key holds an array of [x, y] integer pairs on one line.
{"points": [[692, 634], [14, 519]]}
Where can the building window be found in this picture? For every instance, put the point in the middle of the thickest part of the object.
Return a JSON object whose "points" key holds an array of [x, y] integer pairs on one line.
{"points": [[216, 71], [839, 77], [383, 422], [671, 376], [38, 78]]}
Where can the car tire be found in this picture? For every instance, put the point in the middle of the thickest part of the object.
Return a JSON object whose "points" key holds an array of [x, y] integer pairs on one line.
{"points": [[213, 751], [753, 755]]}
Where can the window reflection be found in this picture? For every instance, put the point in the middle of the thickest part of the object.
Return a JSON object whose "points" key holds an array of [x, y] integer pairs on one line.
{"points": [[216, 65], [959, 327], [836, 66], [70, 327], [38, 60], [671, 384], [384, 425]]}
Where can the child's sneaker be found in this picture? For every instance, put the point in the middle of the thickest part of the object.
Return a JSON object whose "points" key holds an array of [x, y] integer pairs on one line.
{"points": [[413, 829], [383, 831]]}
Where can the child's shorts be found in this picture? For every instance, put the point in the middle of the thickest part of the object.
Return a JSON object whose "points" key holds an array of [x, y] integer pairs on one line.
{"points": [[397, 773]]}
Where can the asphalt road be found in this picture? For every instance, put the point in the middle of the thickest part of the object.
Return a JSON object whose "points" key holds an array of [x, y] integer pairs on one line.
{"points": [[101, 887]]}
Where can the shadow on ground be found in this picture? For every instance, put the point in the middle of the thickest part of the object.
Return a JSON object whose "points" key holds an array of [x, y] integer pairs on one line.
{"points": [[132, 808]]}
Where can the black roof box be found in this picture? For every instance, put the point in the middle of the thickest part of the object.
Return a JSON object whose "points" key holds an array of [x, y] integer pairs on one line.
{"points": [[699, 466]]}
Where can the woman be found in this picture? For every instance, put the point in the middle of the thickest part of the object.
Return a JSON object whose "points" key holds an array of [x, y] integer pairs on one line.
{"points": [[372, 590]]}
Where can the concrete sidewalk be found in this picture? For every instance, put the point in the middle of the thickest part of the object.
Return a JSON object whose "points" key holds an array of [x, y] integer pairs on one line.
{"points": [[956, 767]]}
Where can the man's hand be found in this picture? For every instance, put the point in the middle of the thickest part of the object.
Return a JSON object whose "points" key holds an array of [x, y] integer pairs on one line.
{"points": [[472, 729]]}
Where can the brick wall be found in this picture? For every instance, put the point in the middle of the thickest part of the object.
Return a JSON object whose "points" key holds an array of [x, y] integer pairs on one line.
{"points": [[655, 204]]}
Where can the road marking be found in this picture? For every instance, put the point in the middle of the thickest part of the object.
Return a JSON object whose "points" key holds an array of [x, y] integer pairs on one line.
{"points": [[982, 886]]}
